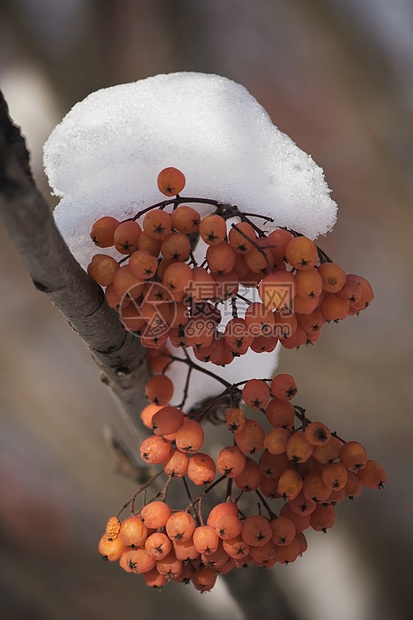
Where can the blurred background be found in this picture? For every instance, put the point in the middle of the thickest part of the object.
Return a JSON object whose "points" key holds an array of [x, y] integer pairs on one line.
{"points": [[337, 78]]}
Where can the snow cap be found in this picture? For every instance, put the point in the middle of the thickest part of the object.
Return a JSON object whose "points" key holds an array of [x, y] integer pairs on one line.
{"points": [[105, 156]]}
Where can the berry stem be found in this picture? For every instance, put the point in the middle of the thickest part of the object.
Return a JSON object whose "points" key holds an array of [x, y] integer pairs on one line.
{"points": [[134, 496]]}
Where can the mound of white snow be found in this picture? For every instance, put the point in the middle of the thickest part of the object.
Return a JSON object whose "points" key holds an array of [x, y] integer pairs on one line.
{"points": [[105, 156]]}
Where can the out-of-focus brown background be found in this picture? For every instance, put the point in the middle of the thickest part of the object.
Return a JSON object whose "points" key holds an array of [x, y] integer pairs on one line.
{"points": [[337, 78]]}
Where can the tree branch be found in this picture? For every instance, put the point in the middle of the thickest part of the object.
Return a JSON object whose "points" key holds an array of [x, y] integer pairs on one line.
{"points": [[55, 271]]}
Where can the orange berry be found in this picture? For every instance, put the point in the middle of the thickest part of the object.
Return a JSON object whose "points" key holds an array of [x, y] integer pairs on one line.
{"points": [[155, 514], [185, 549], [240, 267], [213, 229], [309, 283], [334, 307], [301, 522], [111, 549], [276, 440], [189, 437], [114, 301], [217, 558], [201, 286], [305, 305], [219, 510], [259, 319], [296, 340], [159, 390], [285, 323], [124, 561], [210, 352], [290, 484], [301, 253], [139, 560], [133, 532], [177, 277], [277, 241], [231, 461], [241, 237], [152, 339], [260, 259], [288, 553], [126, 282], [102, 269], [334, 476], [171, 181], [199, 332], [283, 531], [372, 475], [277, 289], [103, 230], [249, 479], [353, 455], [167, 420], [250, 439], [149, 244], [256, 393], [156, 316], [317, 433], [155, 449], [256, 530], [298, 449], [333, 277], [204, 579], [302, 505], [236, 547], [157, 224], [238, 336], [176, 464], [283, 386], [314, 487], [354, 486], [126, 236], [268, 487], [201, 469], [185, 219], [169, 566], [261, 344], [220, 257], [327, 452], [323, 517], [154, 579], [351, 290], [180, 526], [205, 539], [280, 413], [313, 322], [158, 545], [367, 295], [273, 465], [143, 265], [176, 246], [131, 317]]}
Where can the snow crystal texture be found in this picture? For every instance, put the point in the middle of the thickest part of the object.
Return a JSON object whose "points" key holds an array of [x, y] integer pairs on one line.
{"points": [[105, 156]]}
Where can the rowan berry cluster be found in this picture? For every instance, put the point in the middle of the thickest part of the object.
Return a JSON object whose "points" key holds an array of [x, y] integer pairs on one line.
{"points": [[278, 473], [277, 286], [287, 458]]}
